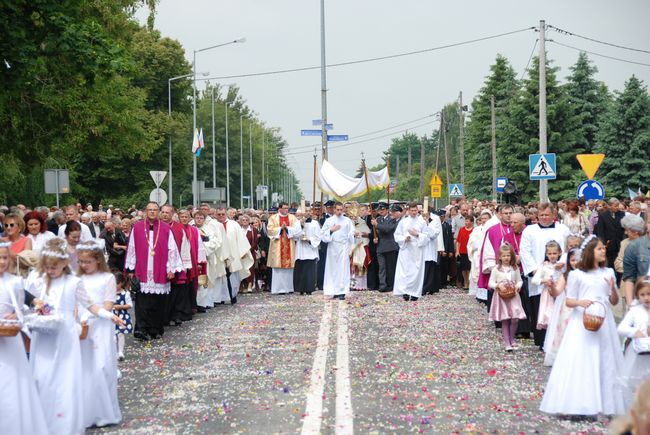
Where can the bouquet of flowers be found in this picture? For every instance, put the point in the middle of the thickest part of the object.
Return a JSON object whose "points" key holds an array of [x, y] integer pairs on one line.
{"points": [[43, 318]]}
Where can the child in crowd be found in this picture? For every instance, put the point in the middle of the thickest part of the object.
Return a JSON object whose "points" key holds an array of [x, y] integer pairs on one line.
{"points": [[548, 276], [507, 311], [561, 313], [584, 375], [121, 309], [20, 407], [572, 242], [101, 407], [635, 325], [56, 355]]}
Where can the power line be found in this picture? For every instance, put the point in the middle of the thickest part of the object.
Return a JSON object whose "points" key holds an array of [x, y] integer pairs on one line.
{"points": [[365, 140], [532, 53], [566, 32], [372, 59], [598, 54]]}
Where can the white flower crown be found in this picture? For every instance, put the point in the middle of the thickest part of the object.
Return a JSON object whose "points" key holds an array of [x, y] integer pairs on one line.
{"points": [[586, 241], [54, 254], [93, 245], [5, 245]]}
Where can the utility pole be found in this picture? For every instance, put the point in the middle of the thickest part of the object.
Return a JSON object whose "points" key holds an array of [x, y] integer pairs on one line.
{"points": [[461, 138], [264, 200], [214, 159], [241, 161], [494, 149], [397, 167], [422, 164], [444, 139], [408, 163], [250, 161], [543, 184], [323, 82]]}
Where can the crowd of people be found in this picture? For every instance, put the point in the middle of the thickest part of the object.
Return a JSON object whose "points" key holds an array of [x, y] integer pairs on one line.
{"points": [[540, 270]]}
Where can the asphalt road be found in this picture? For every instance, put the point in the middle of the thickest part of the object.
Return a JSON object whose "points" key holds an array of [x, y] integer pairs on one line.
{"points": [[371, 364]]}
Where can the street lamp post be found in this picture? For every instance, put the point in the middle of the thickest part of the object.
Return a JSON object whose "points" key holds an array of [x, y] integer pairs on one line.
{"points": [[227, 159], [194, 181], [169, 100], [241, 161]]}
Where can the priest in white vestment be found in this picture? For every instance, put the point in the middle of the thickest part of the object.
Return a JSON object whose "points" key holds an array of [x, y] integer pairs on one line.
{"points": [[532, 251], [431, 282], [412, 237], [236, 256], [283, 230], [338, 233]]}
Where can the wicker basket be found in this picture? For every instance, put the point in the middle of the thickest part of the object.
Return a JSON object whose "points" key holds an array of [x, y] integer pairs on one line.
{"points": [[9, 328], [593, 318], [84, 331], [507, 290]]}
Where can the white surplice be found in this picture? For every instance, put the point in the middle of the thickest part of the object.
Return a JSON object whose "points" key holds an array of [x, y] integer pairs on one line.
{"points": [[409, 274], [339, 246], [532, 248]]}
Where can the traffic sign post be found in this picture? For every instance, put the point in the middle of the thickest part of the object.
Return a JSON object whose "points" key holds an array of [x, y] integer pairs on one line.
{"points": [[436, 186], [590, 190], [158, 177], [311, 132], [590, 163], [456, 189], [158, 196], [501, 183], [337, 137], [542, 166]]}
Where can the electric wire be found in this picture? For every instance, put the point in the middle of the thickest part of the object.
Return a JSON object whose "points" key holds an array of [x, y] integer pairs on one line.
{"points": [[598, 54], [372, 59], [532, 53], [566, 32]]}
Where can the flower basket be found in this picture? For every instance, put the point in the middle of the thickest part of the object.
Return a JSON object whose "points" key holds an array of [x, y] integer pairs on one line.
{"points": [[44, 323], [507, 290], [641, 345], [594, 316], [9, 328]]}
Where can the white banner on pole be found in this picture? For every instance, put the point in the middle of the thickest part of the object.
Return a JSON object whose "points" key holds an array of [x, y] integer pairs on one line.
{"points": [[344, 187]]}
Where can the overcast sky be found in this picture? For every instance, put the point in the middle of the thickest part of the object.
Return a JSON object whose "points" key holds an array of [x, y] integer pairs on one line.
{"points": [[363, 98]]}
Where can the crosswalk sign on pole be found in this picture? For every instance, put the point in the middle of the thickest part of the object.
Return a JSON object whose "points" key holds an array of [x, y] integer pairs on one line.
{"points": [[542, 166], [456, 189]]}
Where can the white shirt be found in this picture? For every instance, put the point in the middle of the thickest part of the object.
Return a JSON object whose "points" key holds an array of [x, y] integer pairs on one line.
{"points": [[86, 236]]}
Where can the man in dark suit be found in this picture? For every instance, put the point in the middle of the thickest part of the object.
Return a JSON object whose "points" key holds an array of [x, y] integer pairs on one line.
{"points": [[58, 219], [322, 248], [609, 230], [387, 247], [95, 225], [115, 245], [373, 267], [447, 256]]}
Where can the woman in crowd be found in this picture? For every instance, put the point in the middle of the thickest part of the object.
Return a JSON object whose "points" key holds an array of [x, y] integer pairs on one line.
{"points": [[72, 236], [574, 220], [36, 230]]}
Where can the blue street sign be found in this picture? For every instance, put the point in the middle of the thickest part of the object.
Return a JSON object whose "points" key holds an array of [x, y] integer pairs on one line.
{"points": [[337, 137], [501, 183], [319, 122], [311, 132], [456, 189], [590, 189], [542, 166]]}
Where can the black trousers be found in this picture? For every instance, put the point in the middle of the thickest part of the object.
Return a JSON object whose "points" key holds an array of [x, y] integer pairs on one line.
{"points": [[179, 303], [431, 278], [443, 263], [538, 334], [150, 313], [524, 326], [373, 272], [390, 259], [322, 253], [304, 276]]}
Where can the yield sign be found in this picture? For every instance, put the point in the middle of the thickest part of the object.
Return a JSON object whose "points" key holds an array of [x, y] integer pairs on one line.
{"points": [[590, 163], [158, 177]]}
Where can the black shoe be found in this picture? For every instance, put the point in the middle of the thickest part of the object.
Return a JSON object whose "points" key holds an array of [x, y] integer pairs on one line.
{"points": [[139, 335], [383, 290], [341, 297], [413, 298], [157, 336], [202, 309], [216, 303], [233, 301], [406, 297]]}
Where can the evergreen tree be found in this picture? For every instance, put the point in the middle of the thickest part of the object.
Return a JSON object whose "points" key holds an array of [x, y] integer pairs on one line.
{"points": [[502, 84], [624, 138], [520, 136]]}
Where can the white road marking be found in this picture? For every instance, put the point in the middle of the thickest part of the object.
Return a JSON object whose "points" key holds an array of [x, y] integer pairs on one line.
{"points": [[314, 409], [344, 414]]}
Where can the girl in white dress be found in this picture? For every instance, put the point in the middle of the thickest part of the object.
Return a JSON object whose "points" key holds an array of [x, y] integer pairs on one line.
{"points": [[561, 313], [635, 325], [55, 355], [98, 355], [547, 275], [584, 375], [20, 407]]}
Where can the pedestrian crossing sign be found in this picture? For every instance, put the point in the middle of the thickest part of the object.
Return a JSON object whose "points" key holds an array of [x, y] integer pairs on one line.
{"points": [[542, 166], [456, 189]]}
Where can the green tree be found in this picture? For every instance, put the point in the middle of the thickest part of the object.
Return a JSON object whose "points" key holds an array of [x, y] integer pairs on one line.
{"points": [[624, 138], [502, 84]]}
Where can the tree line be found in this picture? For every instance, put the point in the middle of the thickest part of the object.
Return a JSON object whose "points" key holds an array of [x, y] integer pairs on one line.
{"points": [[583, 116], [84, 87]]}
